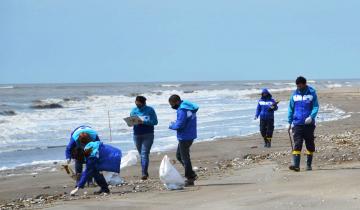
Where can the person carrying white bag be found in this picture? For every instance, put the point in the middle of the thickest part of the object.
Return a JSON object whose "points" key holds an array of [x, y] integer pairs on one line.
{"points": [[186, 132], [169, 176]]}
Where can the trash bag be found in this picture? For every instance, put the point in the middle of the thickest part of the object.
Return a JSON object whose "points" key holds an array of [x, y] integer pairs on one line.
{"points": [[130, 159], [169, 176], [112, 178]]}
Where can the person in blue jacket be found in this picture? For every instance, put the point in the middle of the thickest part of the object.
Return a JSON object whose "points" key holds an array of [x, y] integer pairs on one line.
{"points": [[74, 149], [144, 132], [185, 126], [265, 110], [99, 157], [302, 112]]}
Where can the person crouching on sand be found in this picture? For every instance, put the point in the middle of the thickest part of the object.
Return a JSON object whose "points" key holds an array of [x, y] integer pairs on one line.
{"points": [[99, 157], [265, 110], [75, 151], [185, 126], [303, 108]]}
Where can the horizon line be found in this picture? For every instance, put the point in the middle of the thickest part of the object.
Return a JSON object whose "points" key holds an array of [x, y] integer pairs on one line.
{"points": [[171, 81]]}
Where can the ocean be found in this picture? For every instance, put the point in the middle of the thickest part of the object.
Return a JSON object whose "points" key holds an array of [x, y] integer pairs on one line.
{"points": [[36, 120]]}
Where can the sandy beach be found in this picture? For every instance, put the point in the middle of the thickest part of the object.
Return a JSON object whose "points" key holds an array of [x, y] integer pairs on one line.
{"points": [[234, 173]]}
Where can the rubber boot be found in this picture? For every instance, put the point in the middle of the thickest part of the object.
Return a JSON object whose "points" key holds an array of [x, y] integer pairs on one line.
{"points": [[266, 142], [269, 142], [295, 166], [309, 162]]}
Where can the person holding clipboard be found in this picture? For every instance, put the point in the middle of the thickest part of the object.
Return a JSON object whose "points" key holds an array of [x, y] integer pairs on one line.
{"points": [[143, 118]]}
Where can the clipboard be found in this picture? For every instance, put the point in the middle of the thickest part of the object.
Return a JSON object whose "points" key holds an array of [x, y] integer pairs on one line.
{"points": [[131, 121]]}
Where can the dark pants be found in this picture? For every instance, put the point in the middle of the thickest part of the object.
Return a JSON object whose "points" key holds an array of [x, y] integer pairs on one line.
{"points": [[183, 156], [143, 145], [267, 128], [92, 172], [304, 133], [79, 170], [79, 166]]}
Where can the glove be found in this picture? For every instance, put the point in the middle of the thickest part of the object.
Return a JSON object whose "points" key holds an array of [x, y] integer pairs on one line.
{"points": [[74, 191], [68, 161], [255, 118], [308, 121]]}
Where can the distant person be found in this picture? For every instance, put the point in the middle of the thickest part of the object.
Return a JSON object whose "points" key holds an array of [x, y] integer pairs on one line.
{"points": [[185, 125], [144, 132], [265, 110], [75, 150], [303, 108], [99, 157]]}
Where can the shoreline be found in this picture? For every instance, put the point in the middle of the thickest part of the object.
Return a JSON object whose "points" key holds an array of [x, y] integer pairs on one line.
{"points": [[280, 92], [215, 160]]}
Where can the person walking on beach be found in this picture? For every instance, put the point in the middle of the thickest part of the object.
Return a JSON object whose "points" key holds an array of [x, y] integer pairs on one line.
{"points": [[99, 157], [185, 126], [303, 109], [265, 110], [74, 149], [144, 132]]}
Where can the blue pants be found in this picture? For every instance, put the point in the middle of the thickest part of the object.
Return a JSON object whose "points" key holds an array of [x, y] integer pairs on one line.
{"points": [[143, 145], [92, 172]]}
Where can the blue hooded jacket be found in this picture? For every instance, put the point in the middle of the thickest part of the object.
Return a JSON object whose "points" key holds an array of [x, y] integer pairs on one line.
{"points": [[75, 136], [103, 158], [149, 117], [264, 109], [185, 123], [302, 105]]}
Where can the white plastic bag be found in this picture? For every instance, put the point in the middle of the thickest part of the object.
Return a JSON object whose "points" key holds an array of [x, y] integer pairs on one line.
{"points": [[169, 176], [112, 178], [130, 159]]}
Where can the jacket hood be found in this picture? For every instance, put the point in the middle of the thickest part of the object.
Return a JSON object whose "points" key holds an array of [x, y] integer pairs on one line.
{"points": [[265, 90], [189, 106]]}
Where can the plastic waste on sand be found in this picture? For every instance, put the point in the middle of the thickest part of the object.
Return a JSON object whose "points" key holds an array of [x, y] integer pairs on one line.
{"points": [[169, 176], [130, 159], [113, 178]]}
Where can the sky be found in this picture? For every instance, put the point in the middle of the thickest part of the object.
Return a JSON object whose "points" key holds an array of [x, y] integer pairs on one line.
{"points": [[67, 41]]}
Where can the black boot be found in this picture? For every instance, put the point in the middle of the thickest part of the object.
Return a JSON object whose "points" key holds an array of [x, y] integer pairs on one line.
{"points": [[191, 181], [309, 162], [295, 166], [144, 177], [269, 142], [102, 190], [265, 142], [100, 180]]}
